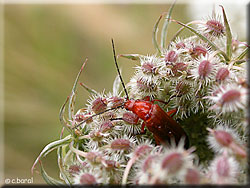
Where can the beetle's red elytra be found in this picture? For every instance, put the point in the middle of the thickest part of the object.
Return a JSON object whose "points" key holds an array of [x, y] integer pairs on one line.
{"points": [[157, 121]]}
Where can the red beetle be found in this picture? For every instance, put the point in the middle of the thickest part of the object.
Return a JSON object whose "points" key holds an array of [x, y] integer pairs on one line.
{"points": [[157, 121]]}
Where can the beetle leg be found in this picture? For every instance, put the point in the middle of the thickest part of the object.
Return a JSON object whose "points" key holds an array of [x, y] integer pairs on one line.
{"points": [[160, 101], [147, 98], [143, 130], [112, 119], [157, 141], [171, 113]]}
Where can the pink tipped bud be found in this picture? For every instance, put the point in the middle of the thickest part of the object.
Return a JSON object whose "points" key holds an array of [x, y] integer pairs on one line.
{"points": [[111, 164], [197, 52], [116, 101], [215, 28], [171, 57], [120, 144], [74, 169], [106, 126], [142, 150], [146, 86], [148, 67], [223, 137], [230, 96], [147, 163], [205, 68], [87, 179], [192, 176], [238, 150], [172, 162], [99, 105], [81, 115], [180, 45], [223, 167], [130, 118], [178, 68], [222, 74], [182, 88], [93, 157]]}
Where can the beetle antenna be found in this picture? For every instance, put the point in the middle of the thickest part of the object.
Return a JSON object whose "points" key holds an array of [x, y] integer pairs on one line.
{"points": [[116, 64], [97, 115]]}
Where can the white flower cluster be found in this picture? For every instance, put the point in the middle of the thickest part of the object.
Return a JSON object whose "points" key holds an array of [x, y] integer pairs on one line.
{"points": [[202, 75]]}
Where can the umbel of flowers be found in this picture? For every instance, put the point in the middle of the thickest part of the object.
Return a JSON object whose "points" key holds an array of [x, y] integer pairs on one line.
{"points": [[202, 76]]}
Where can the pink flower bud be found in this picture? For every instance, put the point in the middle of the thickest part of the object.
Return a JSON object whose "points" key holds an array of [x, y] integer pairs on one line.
{"points": [[120, 144], [116, 101], [106, 126], [74, 169], [111, 164], [230, 96], [223, 167], [223, 137], [205, 68], [148, 67], [178, 68], [215, 28], [238, 150], [147, 163], [171, 57], [197, 51], [99, 105], [192, 176], [172, 162], [180, 45], [142, 150], [222, 74], [145, 86], [87, 179], [130, 118], [182, 88], [93, 157]]}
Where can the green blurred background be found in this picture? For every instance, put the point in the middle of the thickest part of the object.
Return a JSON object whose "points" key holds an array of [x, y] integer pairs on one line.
{"points": [[44, 48]]}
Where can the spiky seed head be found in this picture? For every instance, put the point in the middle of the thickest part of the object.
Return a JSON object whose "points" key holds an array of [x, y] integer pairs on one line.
{"points": [[192, 176], [215, 28], [172, 162], [130, 118], [224, 169], [222, 74], [120, 144], [99, 105]]}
